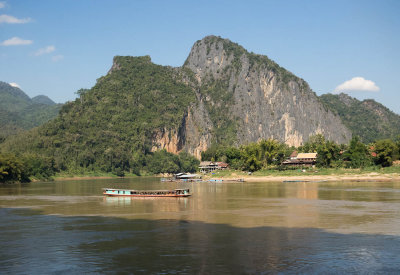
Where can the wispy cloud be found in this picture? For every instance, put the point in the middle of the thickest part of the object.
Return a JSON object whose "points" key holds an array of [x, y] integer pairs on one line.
{"points": [[357, 84], [45, 50], [9, 19], [14, 84], [16, 41], [2, 5], [57, 58]]}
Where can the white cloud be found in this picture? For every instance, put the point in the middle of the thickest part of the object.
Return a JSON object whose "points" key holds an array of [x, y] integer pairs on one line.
{"points": [[15, 41], [357, 84], [14, 84], [2, 5], [8, 19], [57, 58], [45, 50]]}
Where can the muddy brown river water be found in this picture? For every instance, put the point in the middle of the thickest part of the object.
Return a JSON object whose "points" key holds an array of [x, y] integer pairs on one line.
{"points": [[236, 228]]}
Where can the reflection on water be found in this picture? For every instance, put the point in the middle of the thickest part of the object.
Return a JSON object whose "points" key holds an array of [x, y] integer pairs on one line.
{"points": [[149, 204], [230, 228]]}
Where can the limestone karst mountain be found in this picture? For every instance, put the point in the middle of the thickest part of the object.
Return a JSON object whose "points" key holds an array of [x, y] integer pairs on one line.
{"points": [[221, 95]]}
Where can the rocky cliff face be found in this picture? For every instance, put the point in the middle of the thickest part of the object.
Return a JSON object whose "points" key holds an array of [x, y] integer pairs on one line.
{"points": [[244, 97]]}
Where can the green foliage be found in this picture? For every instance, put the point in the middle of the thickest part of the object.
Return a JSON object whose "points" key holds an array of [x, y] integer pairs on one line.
{"points": [[269, 154], [111, 126], [119, 172], [163, 162], [397, 142], [357, 155], [219, 107], [38, 166], [188, 163], [367, 119], [251, 157], [12, 99], [385, 152], [328, 152], [18, 112], [12, 169]]}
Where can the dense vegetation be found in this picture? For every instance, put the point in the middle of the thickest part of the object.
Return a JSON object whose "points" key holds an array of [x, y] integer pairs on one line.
{"points": [[24, 167], [270, 154], [18, 112], [21, 169], [367, 119], [265, 154], [110, 127]]}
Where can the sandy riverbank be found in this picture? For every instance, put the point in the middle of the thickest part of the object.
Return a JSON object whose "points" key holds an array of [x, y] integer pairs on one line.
{"points": [[316, 178], [85, 178], [276, 178]]}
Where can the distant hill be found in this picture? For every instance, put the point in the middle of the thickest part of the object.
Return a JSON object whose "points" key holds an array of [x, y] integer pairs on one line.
{"points": [[42, 99], [12, 98], [367, 119], [18, 112]]}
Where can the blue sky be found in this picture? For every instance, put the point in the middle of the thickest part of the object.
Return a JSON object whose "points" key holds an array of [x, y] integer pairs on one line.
{"points": [[57, 47]]}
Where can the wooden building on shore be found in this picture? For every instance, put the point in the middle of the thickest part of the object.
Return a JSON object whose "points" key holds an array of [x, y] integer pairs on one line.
{"points": [[302, 159], [210, 166]]}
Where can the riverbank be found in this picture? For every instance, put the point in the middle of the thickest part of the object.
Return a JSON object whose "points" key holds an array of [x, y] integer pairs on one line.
{"points": [[269, 175], [364, 178], [90, 176], [315, 178], [313, 175]]}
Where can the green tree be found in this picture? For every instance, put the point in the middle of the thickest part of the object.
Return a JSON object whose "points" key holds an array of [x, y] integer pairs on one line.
{"points": [[250, 155], [397, 142], [12, 169], [385, 150], [162, 162], [327, 153], [188, 163], [357, 154], [272, 152], [39, 166]]}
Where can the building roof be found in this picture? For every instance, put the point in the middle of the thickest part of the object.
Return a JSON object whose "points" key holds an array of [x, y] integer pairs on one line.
{"points": [[189, 176], [208, 163], [222, 164], [307, 156], [293, 154]]}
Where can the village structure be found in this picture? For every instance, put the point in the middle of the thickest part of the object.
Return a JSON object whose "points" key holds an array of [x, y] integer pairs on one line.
{"points": [[301, 159], [295, 159], [210, 166]]}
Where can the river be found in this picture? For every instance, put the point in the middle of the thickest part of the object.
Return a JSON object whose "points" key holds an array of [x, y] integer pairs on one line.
{"points": [[236, 228]]}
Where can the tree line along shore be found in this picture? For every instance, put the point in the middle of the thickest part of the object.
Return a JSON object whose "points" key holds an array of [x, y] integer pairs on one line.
{"points": [[262, 159]]}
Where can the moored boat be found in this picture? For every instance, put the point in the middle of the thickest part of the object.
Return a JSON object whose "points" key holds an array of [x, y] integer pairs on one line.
{"points": [[146, 193]]}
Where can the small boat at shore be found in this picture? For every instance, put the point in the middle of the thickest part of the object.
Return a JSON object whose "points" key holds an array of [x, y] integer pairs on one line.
{"points": [[146, 193], [200, 180], [225, 180]]}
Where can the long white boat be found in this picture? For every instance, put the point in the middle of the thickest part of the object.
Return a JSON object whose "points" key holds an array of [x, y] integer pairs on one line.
{"points": [[146, 193]]}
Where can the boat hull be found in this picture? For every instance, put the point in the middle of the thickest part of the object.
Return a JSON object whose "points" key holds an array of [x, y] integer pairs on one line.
{"points": [[137, 195], [177, 193]]}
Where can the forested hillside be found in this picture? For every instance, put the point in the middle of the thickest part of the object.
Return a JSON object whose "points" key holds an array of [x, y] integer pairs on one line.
{"points": [[367, 119], [18, 112], [111, 125]]}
